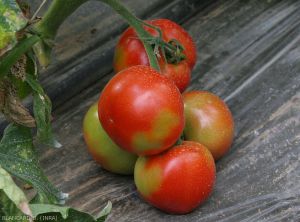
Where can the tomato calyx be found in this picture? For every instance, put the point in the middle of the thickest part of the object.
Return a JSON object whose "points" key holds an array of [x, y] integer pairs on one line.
{"points": [[174, 53], [171, 52]]}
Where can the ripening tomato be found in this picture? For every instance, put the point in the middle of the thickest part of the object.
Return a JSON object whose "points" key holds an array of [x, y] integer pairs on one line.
{"points": [[208, 121], [177, 180], [130, 51], [180, 73], [102, 148], [141, 110]]}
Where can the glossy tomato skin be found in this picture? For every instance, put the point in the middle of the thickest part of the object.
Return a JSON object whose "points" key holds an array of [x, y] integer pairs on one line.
{"points": [[102, 148], [141, 110], [130, 51], [208, 121], [179, 73], [177, 180]]}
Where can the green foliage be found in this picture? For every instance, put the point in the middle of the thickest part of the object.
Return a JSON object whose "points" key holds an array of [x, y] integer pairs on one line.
{"points": [[12, 199], [42, 113], [9, 211], [66, 214], [17, 152], [11, 21], [14, 207], [18, 157]]}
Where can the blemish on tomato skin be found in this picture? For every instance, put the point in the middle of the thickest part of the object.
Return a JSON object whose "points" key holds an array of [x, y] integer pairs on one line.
{"points": [[157, 139], [147, 179]]}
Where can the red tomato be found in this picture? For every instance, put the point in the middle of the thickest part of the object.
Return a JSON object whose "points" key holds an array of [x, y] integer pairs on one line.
{"points": [[208, 121], [180, 74], [177, 180], [141, 110], [130, 50], [102, 148]]}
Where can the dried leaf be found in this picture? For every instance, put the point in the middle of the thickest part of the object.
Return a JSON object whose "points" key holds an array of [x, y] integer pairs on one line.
{"points": [[19, 69], [25, 7], [27, 186], [11, 106]]}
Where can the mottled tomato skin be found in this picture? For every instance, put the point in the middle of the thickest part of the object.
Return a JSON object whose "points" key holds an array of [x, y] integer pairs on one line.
{"points": [[130, 51], [208, 121], [141, 110], [177, 180], [102, 148], [180, 74]]}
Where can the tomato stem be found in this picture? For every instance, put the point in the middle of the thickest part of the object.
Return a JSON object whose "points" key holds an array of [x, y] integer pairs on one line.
{"points": [[137, 24], [47, 27], [14, 55], [55, 15]]}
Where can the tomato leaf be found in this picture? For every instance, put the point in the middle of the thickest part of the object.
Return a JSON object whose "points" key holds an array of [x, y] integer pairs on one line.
{"points": [[14, 207], [18, 203], [23, 89], [18, 157], [9, 211], [59, 213], [104, 212], [11, 21], [42, 112]]}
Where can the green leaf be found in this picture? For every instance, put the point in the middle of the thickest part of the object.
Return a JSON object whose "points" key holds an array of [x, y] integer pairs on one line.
{"points": [[42, 112], [104, 212], [9, 211], [9, 190], [18, 157], [31, 66], [45, 212], [11, 21], [66, 214]]}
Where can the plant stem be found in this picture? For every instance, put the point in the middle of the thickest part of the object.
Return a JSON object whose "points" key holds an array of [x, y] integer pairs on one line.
{"points": [[137, 25], [14, 55], [56, 14], [47, 28]]}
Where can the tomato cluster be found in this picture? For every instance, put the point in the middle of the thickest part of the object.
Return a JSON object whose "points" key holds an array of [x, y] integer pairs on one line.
{"points": [[141, 117]]}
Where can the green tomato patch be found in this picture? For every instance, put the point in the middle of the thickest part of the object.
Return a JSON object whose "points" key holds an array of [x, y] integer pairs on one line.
{"points": [[191, 123], [147, 179], [161, 128], [104, 150]]}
